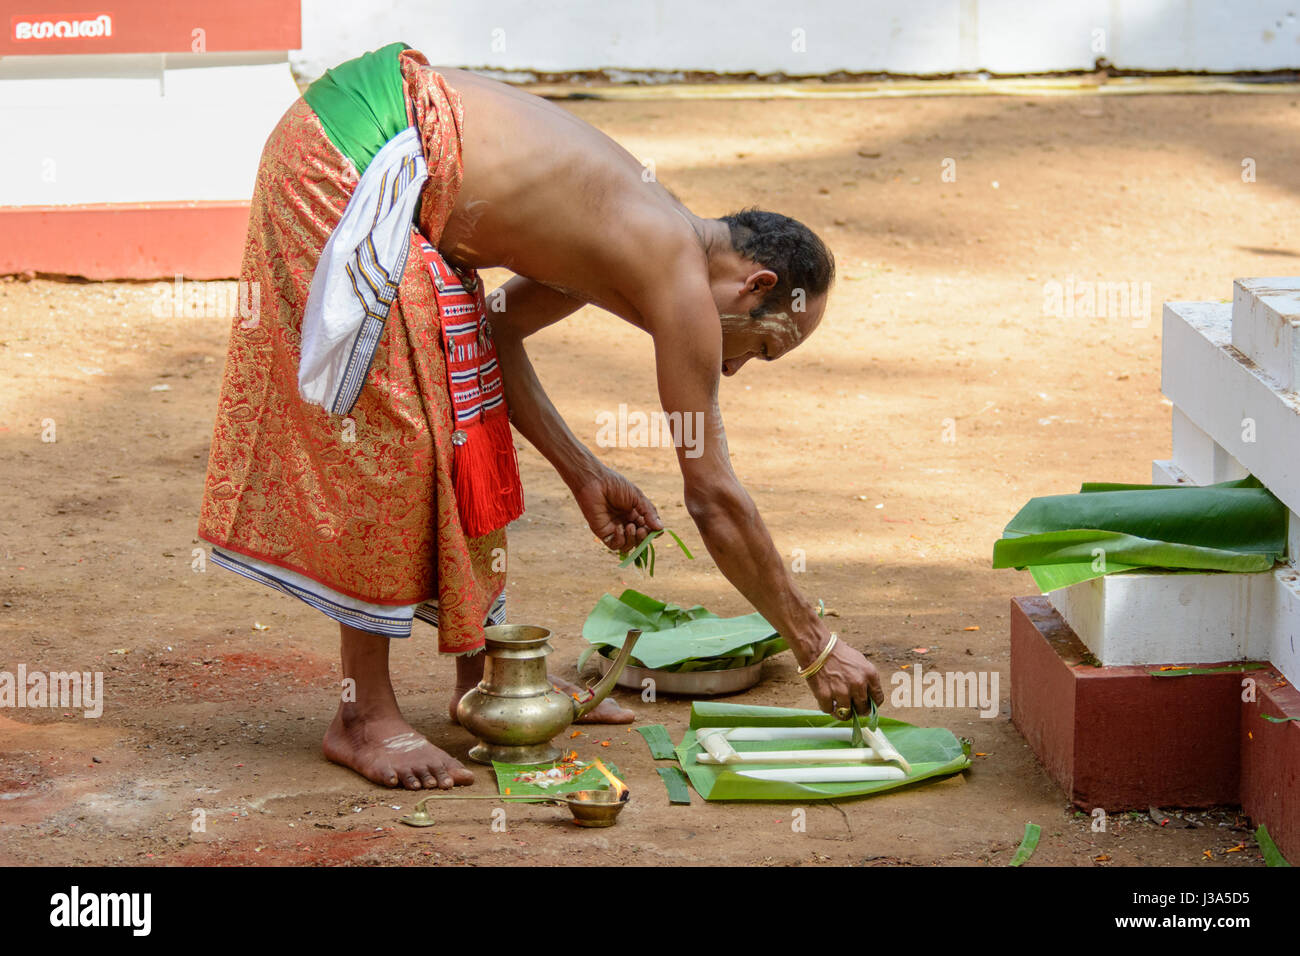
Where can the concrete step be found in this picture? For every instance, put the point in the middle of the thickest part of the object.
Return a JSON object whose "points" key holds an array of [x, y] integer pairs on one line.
{"points": [[1266, 326], [1228, 397]]}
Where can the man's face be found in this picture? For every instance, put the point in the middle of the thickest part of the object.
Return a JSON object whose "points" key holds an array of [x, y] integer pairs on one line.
{"points": [[769, 337]]}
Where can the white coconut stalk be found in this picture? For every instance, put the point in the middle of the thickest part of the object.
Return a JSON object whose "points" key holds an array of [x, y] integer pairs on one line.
{"points": [[717, 741], [840, 755], [790, 733], [861, 773], [888, 752], [714, 740]]}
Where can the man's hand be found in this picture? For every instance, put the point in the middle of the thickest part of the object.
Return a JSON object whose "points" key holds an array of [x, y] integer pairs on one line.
{"points": [[616, 510], [846, 679]]}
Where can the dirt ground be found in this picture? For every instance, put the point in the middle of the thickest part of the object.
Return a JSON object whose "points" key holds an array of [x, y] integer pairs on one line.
{"points": [[939, 395]]}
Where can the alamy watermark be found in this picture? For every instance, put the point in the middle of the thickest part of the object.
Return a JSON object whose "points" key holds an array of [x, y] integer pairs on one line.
{"points": [[1086, 299], [65, 690], [187, 299], [915, 688], [128, 910], [657, 429]]}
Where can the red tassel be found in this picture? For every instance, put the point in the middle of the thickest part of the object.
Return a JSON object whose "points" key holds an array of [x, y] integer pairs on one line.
{"points": [[485, 471]]}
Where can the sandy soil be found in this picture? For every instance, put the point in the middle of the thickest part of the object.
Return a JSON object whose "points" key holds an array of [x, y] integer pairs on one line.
{"points": [[937, 330]]}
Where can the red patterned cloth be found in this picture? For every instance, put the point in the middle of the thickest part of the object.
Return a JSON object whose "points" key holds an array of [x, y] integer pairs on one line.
{"points": [[365, 504], [488, 492]]}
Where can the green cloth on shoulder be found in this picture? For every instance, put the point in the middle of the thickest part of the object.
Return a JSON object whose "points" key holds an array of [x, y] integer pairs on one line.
{"points": [[361, 103]]}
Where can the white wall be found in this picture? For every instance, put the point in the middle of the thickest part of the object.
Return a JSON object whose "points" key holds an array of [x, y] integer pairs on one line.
{"points": [[860, 36], [131, 128]]}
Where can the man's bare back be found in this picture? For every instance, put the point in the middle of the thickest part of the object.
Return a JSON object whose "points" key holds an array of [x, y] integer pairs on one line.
{"points": [[550, 197]]}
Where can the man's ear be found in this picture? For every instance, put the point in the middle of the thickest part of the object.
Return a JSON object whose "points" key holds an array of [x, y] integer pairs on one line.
{"points": [[760, 283]]}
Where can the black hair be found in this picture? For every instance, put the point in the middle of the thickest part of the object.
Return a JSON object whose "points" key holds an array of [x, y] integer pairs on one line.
{"points": [[786, 246]]}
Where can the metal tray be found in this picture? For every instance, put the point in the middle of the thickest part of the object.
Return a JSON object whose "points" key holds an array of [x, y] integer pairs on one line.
{"points": [[692, 683]]}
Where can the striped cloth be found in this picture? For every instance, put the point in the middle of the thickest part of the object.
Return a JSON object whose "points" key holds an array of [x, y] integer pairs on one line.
{"points": [[356, 280], [485, 470], [386, 620]]}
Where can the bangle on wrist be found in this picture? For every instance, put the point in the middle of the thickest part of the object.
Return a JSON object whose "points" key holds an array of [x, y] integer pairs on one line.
{"points": [[817, 665]]}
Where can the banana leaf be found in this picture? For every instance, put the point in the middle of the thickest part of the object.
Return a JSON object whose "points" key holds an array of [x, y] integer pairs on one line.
{"points": [[1235, 526], [1028, 845], [932, 752], [674, 638], [589, 779], [643, 555]]}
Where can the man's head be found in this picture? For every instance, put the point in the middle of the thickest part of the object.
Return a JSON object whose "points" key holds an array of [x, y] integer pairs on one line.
{"points": [[770, 287]]}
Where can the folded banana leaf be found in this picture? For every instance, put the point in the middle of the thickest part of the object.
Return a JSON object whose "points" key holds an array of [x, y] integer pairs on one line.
{"points": [[1105, 528], [932, 752], [674, 638]]}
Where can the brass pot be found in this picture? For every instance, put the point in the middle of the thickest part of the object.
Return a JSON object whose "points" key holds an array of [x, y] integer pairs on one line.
{"points": [[515, 711]]}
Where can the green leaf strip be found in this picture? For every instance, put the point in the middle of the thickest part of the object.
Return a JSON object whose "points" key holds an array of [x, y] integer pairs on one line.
{"points": [[1272, 855], [657, 739], [1027, 845], [1202, 671], [676, 784]]}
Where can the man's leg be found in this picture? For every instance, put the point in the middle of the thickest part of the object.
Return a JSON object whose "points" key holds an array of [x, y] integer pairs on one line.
{"points": [[371, 736], [469, 671]]}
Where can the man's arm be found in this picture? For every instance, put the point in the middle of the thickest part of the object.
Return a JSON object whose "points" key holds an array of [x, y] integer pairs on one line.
{"points": [[688, 359], [530, 307], [615, 509]]}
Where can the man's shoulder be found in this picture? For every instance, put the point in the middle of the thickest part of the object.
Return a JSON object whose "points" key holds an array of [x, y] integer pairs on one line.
{"points": [[659, 245]]}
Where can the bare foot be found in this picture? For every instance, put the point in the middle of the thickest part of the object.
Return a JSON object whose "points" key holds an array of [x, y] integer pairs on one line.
{"points": [[607, 711], [386, 750]]}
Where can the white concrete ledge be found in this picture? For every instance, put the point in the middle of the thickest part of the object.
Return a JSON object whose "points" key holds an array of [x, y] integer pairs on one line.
{"points": [[1167, 473], [1166, 618], [1265, 316], [1153, 618], [1228, 396], [1199, 456]]}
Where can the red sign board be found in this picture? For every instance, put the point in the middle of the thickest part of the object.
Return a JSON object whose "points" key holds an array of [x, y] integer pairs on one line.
{"points": [[41, 27]]}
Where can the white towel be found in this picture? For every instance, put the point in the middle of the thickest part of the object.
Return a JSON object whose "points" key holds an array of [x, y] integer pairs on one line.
{"points": [[355, 282]]}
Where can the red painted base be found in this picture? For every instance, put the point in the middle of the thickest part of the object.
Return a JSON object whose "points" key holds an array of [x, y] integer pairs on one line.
{"points": [[1120, 738], [1270, 762], [125, 241]]}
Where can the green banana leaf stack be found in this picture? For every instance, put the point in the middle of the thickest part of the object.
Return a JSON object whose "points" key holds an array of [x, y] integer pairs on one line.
{"points": [[932, 751], [1106, 528], [677, 639]]}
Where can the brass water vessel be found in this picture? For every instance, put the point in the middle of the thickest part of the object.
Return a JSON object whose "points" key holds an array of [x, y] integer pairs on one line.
{"points": [[515, 710]]}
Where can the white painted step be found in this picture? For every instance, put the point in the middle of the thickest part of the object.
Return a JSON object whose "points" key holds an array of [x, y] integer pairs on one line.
{"points": [[1266, 326], [1229, 398], [1155, 618]]}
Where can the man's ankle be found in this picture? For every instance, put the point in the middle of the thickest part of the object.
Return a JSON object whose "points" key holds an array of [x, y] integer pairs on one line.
{"points": [[358, 712]]}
